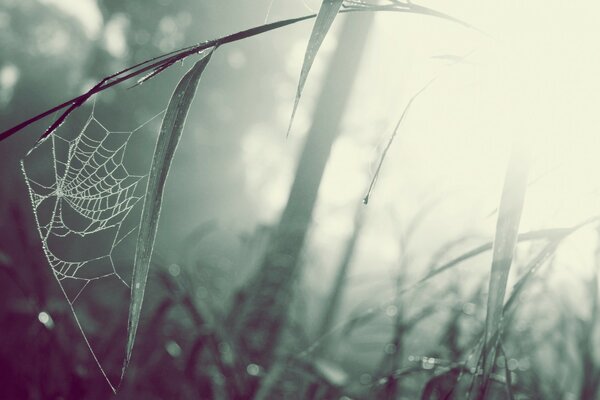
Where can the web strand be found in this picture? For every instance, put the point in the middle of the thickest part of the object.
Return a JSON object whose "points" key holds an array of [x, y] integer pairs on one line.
{"points": [[92, 192]]}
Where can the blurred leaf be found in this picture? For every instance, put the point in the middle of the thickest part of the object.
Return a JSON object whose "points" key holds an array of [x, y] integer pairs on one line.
{"points": [[505, 240], [329, 9], [168, 139]]}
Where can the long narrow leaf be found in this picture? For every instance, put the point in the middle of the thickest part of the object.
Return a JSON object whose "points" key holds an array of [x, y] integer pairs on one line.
{"points": [[168, 139], [549, 234], [329, 9], [505, 240]]}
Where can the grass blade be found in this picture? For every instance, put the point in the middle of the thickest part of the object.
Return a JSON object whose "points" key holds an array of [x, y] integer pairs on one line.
{"points": [[168, 139], [505, 240], [391, 140], [327, 13], [548, 234]]}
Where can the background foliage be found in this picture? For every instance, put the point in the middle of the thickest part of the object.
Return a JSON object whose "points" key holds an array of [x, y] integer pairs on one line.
{"points": [[369, 331]]}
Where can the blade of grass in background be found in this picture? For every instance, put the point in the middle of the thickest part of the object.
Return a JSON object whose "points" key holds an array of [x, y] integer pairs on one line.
{"points": [[543, 234], [505, 240], [329, 9], [391, 140], [261, 308], [555, 236], [332, 306], [168, 139]]}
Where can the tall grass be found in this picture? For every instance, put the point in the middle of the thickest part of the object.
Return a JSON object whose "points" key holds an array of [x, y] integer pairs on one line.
{"points": [[253, 349]]}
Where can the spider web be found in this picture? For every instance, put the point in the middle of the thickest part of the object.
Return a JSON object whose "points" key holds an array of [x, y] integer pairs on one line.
{"points": [[86, 194]]}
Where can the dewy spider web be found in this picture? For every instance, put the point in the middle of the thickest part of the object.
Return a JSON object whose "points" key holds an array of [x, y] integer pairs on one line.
{"points": [[90, 193]]}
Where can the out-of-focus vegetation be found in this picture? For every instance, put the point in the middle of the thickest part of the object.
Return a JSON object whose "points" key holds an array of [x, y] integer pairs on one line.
{"points": [[269, 281]]}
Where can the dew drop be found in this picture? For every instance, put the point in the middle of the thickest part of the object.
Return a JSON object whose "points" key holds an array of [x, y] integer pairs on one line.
{"points": [[173, 348], [428, 362], [46, 320], [253, 370], [391, 311], [512, 364], [174, 270], [390, 348]]}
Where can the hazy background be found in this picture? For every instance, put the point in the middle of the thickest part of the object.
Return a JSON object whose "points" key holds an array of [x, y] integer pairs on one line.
{"points": [[529, 72]]}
